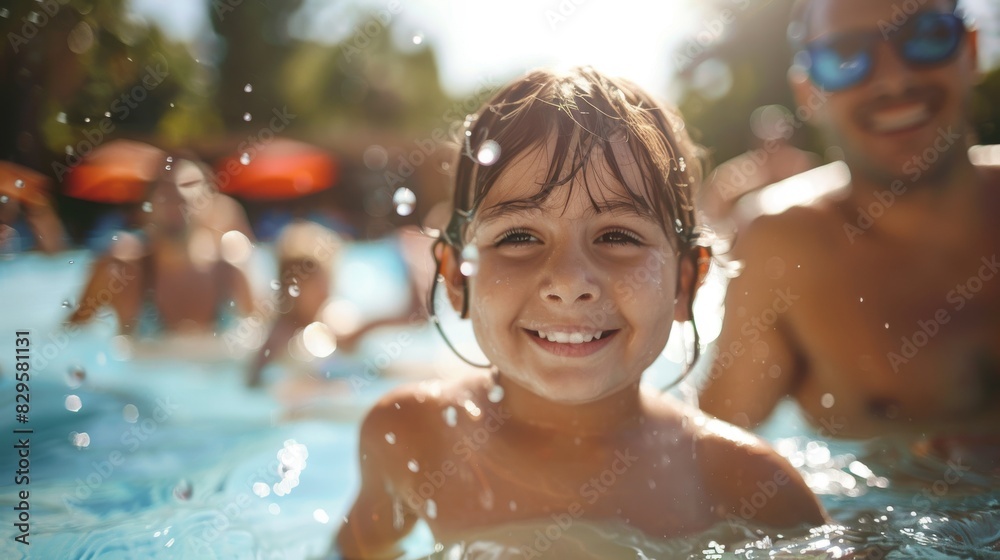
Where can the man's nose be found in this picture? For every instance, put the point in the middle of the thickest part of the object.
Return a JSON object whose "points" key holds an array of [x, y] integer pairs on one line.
{"points": [[891, 75]]}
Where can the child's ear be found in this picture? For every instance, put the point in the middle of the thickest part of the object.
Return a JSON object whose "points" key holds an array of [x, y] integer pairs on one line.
{"points": [[455, 282], [692, 270]]}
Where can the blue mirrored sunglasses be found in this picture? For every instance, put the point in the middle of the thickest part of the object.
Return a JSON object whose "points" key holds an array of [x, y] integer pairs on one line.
{"points": [[845, 60]]}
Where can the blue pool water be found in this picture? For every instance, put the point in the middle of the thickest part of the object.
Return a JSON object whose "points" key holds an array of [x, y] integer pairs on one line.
{"points": [[173, 458]]}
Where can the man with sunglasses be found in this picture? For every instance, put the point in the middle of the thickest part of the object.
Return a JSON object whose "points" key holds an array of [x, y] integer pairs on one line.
{"points": [[878, 312]]}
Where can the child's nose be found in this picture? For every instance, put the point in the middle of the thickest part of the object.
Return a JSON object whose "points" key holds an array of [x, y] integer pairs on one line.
{"points": [[569, 278]]}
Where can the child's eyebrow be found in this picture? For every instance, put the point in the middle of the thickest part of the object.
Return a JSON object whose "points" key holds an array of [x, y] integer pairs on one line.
{"points": [[520, 209]]}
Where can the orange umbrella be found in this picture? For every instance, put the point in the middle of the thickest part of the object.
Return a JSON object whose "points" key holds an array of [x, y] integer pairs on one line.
{"points": [[279, 169], [24, 185], [116, 172]]}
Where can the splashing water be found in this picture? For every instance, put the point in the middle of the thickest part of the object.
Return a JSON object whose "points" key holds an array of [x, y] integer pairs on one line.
{"points": [[275, 285], [75, 377], [130, 413], [413, 465], [183, 490], [294, 290], [18, 183], [73, 403], [147, 207], [391, 438], [404, 200], [450, 416], [245, 158], [496, 394], [248, 88], [247, 117]]}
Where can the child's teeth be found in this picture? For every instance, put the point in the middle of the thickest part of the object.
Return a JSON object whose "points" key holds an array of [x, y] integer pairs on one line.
{"points": [[568, 338]]}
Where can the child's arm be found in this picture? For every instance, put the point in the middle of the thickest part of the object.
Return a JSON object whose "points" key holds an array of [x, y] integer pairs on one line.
{"points": [[754, 363], [749, 482], [380, 517]]}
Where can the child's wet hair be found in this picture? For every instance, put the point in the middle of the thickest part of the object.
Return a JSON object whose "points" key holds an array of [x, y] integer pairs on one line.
{"points": [[582, 110]]}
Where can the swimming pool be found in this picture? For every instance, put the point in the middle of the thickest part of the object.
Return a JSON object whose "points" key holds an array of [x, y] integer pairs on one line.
{"points": [[174, 458]]}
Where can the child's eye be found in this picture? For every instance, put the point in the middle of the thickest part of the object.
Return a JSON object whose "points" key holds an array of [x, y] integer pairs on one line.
{"points": [[619, 237], [515, 237]]}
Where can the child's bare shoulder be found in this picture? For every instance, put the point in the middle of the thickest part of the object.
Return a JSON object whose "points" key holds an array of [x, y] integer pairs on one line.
{"points": [[412, 418]]}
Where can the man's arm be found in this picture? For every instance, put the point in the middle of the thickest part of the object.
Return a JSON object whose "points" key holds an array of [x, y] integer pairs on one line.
{"points": [[753, 362]]}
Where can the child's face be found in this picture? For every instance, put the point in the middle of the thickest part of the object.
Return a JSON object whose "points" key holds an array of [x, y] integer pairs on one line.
{"points": [[571, 274]]}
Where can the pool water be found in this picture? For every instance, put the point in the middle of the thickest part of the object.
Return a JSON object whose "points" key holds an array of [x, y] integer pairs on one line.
{"points": [[134, 457]]}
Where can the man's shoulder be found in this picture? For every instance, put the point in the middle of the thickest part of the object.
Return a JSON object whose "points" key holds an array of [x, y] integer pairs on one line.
{"points": [[799, 229]]}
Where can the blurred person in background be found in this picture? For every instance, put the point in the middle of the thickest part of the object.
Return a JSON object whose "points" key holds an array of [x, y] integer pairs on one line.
{"points": [[179, 274], [879, 313]]}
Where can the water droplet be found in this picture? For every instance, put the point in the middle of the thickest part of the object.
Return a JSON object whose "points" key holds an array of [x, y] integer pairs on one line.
{"points": [[70, 262], [432, 509], [450, 416], [652, 484], [261, 489], [887, 325], [61, 117], [275, 285], [418, 38], [470, 260], [167, 167], [147, 207], [170, 159], [130, 413], [18, 183], [4, 12], [404, 200], [512, 505], [682, 165], [73, 403], [183, 490], [3, 199], [247, 117], [294, 290], [321, 516], [827, 400], [862, 300], [391, 438], [107, 113], [248, 88], [273, 509], [496, 394], [75, 377], [80, 440], [245, 158], [413, 465], [86, 119], [488, 153]]}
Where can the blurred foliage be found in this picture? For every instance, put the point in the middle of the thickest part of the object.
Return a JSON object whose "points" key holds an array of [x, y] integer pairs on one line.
{"points": [[755, 52]]}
